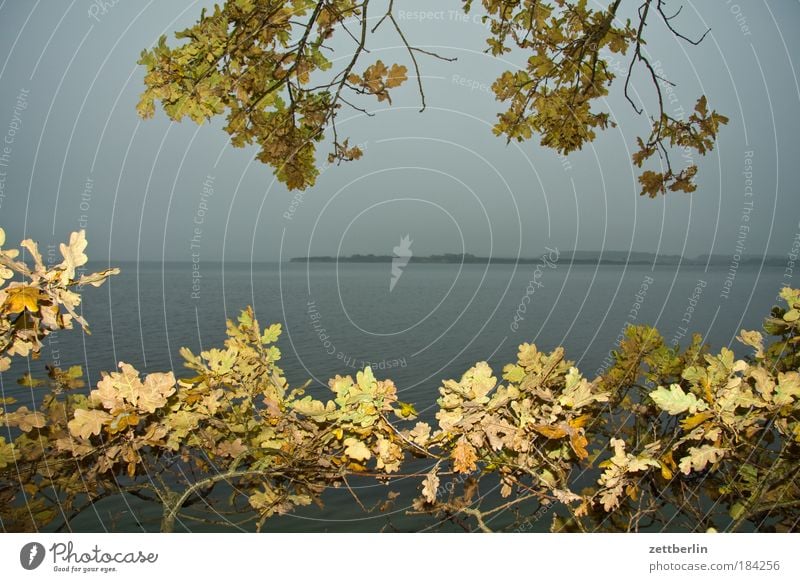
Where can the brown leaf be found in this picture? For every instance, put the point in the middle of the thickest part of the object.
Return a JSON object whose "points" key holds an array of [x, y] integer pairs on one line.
{"points": [[397, 76], [155, 391], [88, 422], [578, 443], [26, 420], [231, 448], [551, 432], [464, 457], [118, 388]]}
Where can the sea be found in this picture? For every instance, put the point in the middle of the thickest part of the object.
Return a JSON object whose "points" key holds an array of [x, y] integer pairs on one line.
{"points": [[417, 324]]}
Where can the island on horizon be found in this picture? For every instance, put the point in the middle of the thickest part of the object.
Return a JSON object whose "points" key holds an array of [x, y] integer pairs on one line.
{"points": [[574, 257]]}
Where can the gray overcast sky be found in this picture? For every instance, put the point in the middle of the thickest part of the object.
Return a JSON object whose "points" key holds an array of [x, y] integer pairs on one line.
{"points": [[440, 176]]}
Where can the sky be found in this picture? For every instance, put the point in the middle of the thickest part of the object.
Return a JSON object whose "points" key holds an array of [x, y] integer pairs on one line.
{"points": [[152, 190]]}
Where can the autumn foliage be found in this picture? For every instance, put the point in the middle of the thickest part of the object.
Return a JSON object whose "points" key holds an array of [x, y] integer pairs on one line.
{"points": [[667, 438], [267, 66]]}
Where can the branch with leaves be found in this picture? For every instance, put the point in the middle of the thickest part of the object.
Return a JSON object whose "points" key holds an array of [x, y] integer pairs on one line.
{"points": [[44, 299], [265, 65], [668, 438]]}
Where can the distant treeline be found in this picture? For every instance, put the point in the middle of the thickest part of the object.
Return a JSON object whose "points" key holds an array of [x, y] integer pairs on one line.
{"points": [[574, 257]]}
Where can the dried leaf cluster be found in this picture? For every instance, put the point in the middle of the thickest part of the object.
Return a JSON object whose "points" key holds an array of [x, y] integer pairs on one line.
{"points": [[667, 438]]}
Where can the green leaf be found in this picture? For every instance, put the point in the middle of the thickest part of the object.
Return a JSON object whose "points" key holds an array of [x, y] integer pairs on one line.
{"points": [[366, 380], [737, 510], [271, 334], [513, 373]]}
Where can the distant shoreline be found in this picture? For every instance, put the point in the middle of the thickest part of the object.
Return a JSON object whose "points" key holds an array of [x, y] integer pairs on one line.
{"points": [[619, 258]]}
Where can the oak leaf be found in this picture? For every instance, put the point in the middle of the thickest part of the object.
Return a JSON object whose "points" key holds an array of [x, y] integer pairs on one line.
{"points": [[154, 391], [699, 457], [231, 448], [73, 254], [118, 388], [356, 449], [7, 453], [86, 423], [464, 457], [396, 76], [20, 298], [675, 401], [430, 485], [551, 432], [788, 388], [26, 420], [578, 442]]}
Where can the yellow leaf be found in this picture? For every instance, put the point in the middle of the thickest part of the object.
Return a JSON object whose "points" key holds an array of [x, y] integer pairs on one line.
{"points": [[407, 410], [675, 401], [695, 420], [97, 279], [580, 421], [29, 381], [21, 298], [271, 334], [123, 421], [753, 339], [356, 450], [788, 388], [421, 433], [513, 373], [669, 461]]}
